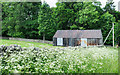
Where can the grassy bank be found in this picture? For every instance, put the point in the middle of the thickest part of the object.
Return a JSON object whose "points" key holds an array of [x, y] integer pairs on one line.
{"points": [[23, 43]]}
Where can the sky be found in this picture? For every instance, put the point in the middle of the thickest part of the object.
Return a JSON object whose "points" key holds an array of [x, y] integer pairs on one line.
{"points": [[52, 3]]}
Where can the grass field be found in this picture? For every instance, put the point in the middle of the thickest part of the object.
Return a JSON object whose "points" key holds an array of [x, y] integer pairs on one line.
{"points": [[23, 43], [50, 59]]}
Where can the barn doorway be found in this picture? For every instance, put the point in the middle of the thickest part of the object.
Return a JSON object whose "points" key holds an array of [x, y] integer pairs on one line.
{"points": [[60, 41], [84, 42], [70, 41]]}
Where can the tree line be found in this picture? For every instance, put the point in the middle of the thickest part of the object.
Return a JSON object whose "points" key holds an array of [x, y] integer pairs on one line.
{"points": [[36, 20]]}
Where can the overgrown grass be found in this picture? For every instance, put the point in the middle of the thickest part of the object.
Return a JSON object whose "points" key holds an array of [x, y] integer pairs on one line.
{"points": [[61, 60], [50, 59], [24, 43]]}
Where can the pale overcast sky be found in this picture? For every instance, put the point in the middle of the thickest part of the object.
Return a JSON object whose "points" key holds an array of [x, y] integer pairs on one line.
{"points": [[52, 3]]}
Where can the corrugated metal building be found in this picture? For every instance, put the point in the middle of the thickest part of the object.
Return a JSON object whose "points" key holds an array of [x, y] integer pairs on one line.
{"points": [[77, 38]]}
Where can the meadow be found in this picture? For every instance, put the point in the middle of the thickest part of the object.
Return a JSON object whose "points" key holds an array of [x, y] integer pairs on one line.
{"points": [[24, 43], [49, 59]]}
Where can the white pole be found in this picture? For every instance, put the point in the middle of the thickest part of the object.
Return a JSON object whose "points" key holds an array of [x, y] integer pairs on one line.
{"points": [[107, 36], [113, 34]]}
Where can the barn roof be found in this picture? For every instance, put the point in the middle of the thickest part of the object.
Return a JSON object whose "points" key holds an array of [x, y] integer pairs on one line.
{"points": [[78, 34]]}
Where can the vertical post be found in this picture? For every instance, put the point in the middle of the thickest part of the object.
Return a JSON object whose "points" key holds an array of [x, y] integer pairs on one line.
{"points": [[113, 34], [43, 37]]}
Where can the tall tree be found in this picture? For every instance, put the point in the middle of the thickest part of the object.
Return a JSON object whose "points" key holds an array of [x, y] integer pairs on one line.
{"points": [[11, 19], [110, 7], [20, 19], [117, 33], [107, 19], [64, 15], [31, 19], [46, 21], [88, 17]]}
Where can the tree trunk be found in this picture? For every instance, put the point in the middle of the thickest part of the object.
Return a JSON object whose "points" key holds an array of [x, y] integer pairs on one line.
{"points": [[43, 38], [118, 42]]}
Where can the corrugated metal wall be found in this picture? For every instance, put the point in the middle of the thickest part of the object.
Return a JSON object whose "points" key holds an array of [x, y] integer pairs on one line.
{"points": [[54, 41], [77, 41]]}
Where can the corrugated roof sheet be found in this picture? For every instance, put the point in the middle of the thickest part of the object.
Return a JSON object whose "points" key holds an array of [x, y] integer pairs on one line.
{"points": [[78, 34]]}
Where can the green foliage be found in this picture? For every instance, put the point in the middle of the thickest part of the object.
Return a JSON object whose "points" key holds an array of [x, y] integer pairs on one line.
{"points": [[88, 16], [20, 19], [117, 33], [73, 26], [46, 21], [64, 15], [109, 7], [107, 20], [35, 20]]}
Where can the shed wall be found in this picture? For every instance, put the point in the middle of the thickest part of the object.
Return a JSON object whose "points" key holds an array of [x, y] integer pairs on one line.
{"points": [[54, 41], [77, 41]]}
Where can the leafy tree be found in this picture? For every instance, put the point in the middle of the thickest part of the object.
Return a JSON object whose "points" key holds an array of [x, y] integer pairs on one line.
{"points": [[20, 19], [88, 17], [64, 15], [36, 20], [11, 19], [110, 7], [117, 33], [46, 21], [31, 19], [107, 20]]}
